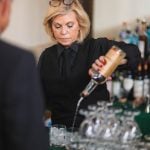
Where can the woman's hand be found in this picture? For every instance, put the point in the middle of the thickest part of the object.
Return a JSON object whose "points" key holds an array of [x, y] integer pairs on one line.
{"points": [[124, 61], [99, 63]]}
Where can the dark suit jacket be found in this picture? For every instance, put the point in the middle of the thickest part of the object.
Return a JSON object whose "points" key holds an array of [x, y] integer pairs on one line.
{"points": [[21, 103]]}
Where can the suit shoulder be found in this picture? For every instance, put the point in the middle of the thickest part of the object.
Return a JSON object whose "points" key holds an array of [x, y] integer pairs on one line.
{"points": [[12, 51], [12, 54]]}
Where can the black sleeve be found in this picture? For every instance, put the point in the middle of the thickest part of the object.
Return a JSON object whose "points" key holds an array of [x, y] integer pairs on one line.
{"points": [[133, 55], [23, 109]]}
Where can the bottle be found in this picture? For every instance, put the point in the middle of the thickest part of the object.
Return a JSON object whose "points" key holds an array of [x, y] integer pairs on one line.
{"points": [[137, 26], [113, 58], [128, 84], [146, 80], [148, 60], [116, 85], [147, 108], [109, 88], [122, 92], [134, 38], [148, 35], [124, 33], [138, 87], [143, 40]]}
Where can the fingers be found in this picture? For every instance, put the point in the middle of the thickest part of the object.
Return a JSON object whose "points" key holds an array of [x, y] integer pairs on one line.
{"points": [[102, 60], [97, 65], [109, 78], [91, 72], [124, 61]]}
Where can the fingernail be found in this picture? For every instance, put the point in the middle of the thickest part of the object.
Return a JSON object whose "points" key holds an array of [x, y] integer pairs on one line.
{"points": [[103, 61]]}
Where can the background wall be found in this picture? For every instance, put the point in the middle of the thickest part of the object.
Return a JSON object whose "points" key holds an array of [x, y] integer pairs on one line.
{"points": [[109, 15], [26, 27]]}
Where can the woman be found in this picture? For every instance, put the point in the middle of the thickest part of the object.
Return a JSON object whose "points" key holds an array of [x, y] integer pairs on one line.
{"points": [[69, 26]]}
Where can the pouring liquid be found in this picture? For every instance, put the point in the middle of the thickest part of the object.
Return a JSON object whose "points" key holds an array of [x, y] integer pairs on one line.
{"points": [[113, 58], [76, 112]]}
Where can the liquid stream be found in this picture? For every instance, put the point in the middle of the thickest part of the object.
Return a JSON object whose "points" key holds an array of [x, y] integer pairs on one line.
{"points": [[76, 112]]}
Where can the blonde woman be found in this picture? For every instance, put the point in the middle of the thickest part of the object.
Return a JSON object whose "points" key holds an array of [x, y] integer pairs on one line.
{"points": [[65, 67]]}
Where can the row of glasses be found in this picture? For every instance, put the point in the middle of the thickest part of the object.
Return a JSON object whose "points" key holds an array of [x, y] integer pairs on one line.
{"points": [[108, 127], [104, 128], [102, 122]]}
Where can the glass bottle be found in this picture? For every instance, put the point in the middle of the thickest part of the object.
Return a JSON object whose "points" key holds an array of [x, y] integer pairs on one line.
{"points": [[116, 84], [143, 40], [138, 87], [125, 33], [128, 84], [113, 58], [146, 80], [147, 108], [137, 26]]}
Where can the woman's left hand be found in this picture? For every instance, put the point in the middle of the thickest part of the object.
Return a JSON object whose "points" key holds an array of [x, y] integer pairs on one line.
{"points": [[99, 63]]}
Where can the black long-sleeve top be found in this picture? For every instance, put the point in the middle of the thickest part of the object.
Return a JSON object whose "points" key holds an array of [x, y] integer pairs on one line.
{"points": [[62, 94]]}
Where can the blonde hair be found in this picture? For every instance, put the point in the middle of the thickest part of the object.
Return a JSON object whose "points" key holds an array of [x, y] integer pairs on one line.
{"points": [[81, 15]]}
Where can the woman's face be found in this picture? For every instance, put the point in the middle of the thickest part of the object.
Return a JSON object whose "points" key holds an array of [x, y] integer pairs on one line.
{"points": [[65, 29]]}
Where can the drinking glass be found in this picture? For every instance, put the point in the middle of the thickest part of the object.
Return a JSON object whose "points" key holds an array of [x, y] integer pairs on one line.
{"points": [[57, 135], [130, 131]]}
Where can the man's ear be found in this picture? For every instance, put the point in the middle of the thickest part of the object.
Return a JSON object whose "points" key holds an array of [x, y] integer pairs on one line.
{"points": [[1, 3], [5, 7]]}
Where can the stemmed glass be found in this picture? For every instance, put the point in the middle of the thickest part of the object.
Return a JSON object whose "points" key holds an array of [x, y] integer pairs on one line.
{"points": [[130, 131], [101, 124], [107, 129]]}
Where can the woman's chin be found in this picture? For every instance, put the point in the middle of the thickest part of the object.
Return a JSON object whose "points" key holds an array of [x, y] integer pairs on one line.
{"points": [[65, 43]]}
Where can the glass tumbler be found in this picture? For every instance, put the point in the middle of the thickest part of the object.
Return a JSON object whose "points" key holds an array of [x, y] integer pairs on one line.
{"points": [[57, 135]]}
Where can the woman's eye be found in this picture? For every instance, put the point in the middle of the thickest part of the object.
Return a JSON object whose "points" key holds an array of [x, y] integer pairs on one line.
{"points": [[57, 26], [70, 25]]}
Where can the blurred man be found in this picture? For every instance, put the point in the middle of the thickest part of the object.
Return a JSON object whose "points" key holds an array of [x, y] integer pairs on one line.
{"points": [[21, 103]]}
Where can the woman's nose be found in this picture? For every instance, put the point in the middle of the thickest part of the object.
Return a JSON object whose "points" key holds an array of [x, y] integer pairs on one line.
{"points": [[64, 30]]}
